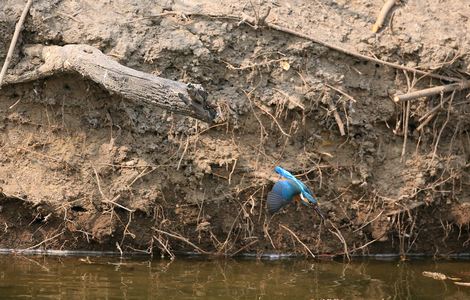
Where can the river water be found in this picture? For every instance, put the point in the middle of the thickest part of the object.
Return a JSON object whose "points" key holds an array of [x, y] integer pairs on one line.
{"points": [[93, 277]]}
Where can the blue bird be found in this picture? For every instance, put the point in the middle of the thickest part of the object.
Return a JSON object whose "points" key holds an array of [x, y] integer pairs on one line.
{"points": [[284, 191]]}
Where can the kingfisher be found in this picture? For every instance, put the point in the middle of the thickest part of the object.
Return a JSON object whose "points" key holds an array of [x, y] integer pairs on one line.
{"points": [[288, 189]]}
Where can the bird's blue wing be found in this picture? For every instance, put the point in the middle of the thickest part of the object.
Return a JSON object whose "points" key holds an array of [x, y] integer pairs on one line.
{"points": [[275, 202]]}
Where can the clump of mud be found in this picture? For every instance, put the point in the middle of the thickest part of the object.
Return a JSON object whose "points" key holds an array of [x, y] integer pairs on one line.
{"points": [[83, 169]]}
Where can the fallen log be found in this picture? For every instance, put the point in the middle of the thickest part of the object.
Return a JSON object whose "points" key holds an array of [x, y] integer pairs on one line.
{"points": [[181, 98]]}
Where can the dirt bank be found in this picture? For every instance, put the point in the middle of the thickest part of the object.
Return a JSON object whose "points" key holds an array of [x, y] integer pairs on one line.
{"points": [[83, 169]]}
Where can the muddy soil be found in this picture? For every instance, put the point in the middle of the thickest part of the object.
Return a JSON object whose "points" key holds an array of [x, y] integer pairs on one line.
{"points": [[81, 169]]}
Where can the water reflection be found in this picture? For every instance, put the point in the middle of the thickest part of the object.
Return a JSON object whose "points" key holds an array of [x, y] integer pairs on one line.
{"points": [[113, 278]]}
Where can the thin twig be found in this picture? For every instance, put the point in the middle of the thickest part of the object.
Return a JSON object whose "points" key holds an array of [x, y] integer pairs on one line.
{"points": [[231, 172], [433, 91], [297, 238], [367, 244], [382, 15], [119, 249], [254, 65], [289, 98], [367, 223], [341, 92], [14, 104], [105, 199], [113, 201], [338, 120], [275, 120], [16, 34], [140, 175], [99, 185], [406, 208], [244, 247], [434, 109], [172, 256], [405, 128], [184, 152], [45, 241], [341, 238], [183, 239], [266, 232], [443, 126], [431, 114], [69, 16], [126, 229]]}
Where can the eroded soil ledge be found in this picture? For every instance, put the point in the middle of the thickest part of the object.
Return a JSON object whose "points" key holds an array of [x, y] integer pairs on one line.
{"points": [[82, 169]]}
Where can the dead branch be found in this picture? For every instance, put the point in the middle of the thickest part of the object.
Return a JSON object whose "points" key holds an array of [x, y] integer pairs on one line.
{"points": [[183, 239], [254, 65], [139, 87], [340, 236], [164, 246], [367, 244], [341, 92], [119, 249], [427, 117], [244, 247], [382, 15], [106, 199], [406, 111], [113, 202], [46, 240], [297, 238], [338, 120], [369, 222], [14, 39], [407, 208], [272, 117], [184, 152], [449, 109], [458, 86]]}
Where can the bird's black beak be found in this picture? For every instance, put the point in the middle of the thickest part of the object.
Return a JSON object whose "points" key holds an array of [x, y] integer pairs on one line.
{"points": [[319, 212]]}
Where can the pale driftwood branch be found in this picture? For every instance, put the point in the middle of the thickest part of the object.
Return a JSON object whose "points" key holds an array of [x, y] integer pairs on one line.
{"points": [[382, 15], [187, 99], [458, 86], [14, 39]]}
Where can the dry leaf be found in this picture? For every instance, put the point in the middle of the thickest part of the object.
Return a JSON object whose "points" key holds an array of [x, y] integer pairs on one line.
{"points": [[284, 65]]}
